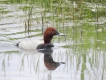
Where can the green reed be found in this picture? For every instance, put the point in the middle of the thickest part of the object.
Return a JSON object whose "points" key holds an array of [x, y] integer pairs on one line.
{"points": [[71, 17], [77, 20]]}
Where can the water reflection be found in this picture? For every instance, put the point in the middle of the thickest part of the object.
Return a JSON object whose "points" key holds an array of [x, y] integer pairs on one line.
{"points": [[48, 60], [80, 64]]}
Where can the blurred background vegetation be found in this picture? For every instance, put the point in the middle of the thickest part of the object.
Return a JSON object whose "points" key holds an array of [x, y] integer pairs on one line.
{"points": [[82, 20]]}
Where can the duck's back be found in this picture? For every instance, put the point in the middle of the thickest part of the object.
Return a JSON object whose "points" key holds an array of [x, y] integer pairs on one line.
{"points": [[29, 44]]}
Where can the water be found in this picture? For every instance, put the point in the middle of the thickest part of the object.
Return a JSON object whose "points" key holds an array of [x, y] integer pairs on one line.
{"points": [[84, 55]]}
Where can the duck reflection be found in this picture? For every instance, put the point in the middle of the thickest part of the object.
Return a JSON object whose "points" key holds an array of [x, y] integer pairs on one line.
{"points": [[48, 60]]}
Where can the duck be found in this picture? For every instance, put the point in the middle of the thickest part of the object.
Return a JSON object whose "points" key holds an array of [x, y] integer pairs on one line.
{"points": [[38, 44]]}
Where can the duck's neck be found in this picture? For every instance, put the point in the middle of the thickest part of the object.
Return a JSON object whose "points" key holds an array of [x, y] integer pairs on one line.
{"points": [[47, 39]]}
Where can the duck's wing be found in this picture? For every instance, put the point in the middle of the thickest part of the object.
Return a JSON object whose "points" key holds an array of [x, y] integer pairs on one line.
{"points": [[29, 44]]}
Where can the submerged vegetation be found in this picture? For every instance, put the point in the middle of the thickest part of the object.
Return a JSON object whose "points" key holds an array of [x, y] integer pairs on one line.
{"points": [[81, 21]]}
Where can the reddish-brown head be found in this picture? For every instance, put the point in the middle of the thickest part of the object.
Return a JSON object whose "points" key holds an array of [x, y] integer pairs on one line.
{"points": [[49, 33]]}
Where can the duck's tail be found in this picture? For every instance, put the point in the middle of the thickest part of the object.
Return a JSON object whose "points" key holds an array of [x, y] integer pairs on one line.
{"points": [[17, 44]]}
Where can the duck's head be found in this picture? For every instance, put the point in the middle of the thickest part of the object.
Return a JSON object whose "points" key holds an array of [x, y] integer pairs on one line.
{"points": [[48, 35]]}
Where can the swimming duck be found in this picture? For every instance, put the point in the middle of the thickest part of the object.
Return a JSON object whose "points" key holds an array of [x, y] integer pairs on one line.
{"points": [[35, 44]]}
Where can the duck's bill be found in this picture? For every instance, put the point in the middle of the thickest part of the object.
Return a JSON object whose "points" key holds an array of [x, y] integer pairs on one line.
{"points": [[61, 34]]}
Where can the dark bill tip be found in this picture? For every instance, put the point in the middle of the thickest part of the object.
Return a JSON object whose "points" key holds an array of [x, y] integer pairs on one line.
{"points": [[60, 34]]}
